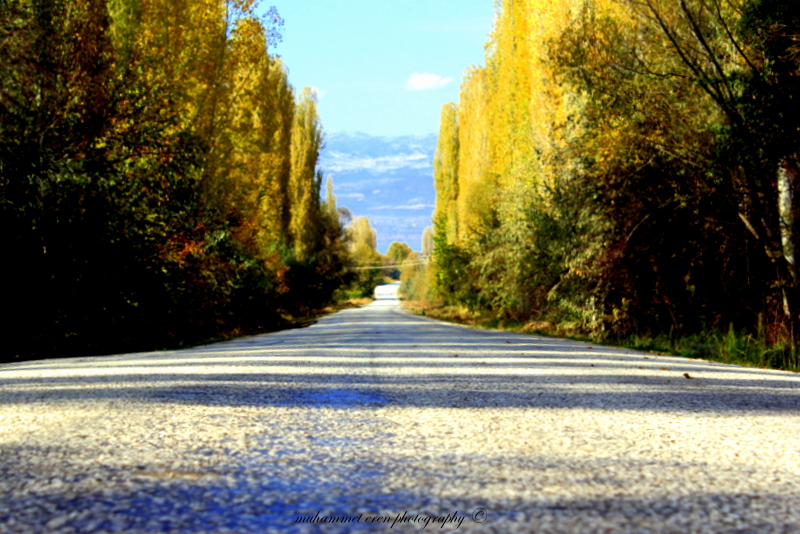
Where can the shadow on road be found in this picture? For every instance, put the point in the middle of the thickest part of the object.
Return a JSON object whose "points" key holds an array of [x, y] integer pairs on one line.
{"points": [[378, 356]]}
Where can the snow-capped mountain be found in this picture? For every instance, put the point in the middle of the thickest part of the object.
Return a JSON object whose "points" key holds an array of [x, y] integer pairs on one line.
{"points": [[388, 179]]}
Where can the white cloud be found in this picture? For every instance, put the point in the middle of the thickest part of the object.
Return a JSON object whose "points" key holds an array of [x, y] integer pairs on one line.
{"points": [[421, 81], [407, 207], [320, 93], [363, 184], [415, 207]]}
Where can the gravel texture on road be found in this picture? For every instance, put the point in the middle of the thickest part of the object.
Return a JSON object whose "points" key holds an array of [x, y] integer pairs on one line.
{"points": [[373, 413]]}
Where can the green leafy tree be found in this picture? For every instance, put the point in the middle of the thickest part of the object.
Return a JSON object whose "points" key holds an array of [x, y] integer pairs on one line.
{"points": [[367, 262], [396, 255]]}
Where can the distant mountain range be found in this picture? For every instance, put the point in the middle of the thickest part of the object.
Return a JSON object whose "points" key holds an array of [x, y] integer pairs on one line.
{"points": [[388, 179]]}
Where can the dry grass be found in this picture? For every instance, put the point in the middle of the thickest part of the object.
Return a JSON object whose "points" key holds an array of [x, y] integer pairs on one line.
{"points": [[357, 303], [344, 305], [732, 347], [455, 314]]}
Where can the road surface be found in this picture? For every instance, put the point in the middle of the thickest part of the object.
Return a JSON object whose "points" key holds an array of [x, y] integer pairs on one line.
{"points": [[373, 420]]}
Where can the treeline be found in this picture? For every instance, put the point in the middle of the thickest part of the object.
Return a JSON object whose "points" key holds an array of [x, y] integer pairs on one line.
{"points": [[370, 268], [627, 166], [158, 177]]}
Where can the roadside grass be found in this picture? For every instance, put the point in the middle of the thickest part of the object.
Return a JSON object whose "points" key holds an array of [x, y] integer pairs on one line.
{"points": [[284, 322], [351, 295], [288, 322], [343, 299], [731, 346]]}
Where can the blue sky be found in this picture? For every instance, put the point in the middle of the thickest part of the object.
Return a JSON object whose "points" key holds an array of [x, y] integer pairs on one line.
{"points": [[382, 67]]}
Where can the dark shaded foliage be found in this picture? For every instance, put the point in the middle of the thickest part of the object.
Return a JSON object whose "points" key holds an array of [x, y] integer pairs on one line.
{"points": [[669, 214], [107, 243]]}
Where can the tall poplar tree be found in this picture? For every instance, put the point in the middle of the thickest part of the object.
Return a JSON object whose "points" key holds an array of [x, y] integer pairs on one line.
{"points": [[154, 168], [445, 174], [305, 180]]}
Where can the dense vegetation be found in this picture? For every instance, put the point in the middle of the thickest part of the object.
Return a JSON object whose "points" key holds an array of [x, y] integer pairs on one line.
{"points": [[158, 177], [627, 167]]}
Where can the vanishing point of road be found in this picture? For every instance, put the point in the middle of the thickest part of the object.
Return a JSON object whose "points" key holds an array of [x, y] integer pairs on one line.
{"points": [[373, 420]]}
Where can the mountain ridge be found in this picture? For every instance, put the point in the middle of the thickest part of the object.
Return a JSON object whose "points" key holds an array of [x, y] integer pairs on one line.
{"points": [[388, 179]]}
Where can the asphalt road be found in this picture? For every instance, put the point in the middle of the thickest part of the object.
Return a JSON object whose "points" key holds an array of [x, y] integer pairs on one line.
{"points": [[385, 422]]}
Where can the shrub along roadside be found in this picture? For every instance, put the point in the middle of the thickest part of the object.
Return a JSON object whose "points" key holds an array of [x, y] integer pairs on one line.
{"points": [[158, 178], [629, 169], [731, 346]]}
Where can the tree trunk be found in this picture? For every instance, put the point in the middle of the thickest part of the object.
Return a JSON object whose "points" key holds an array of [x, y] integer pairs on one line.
{"points": [[786, 185]]}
